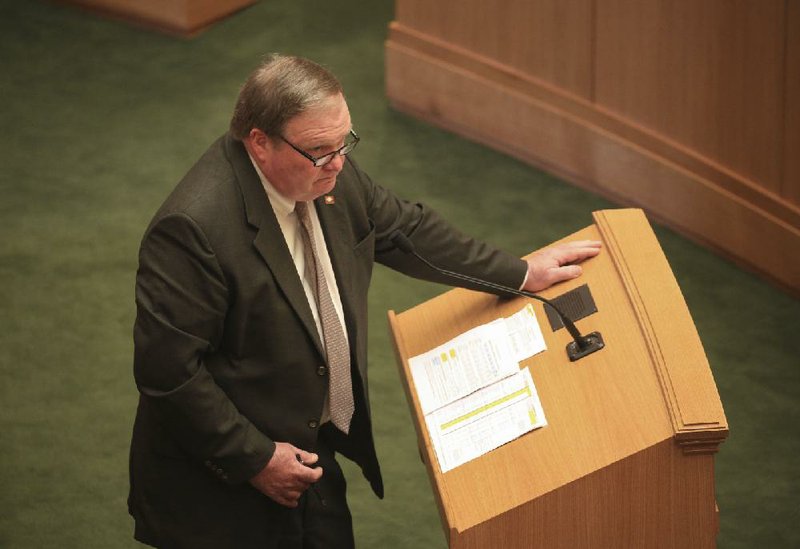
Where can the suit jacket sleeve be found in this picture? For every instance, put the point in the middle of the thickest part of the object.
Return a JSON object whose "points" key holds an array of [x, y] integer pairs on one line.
{"points": [[181, 298], [437, 240]]}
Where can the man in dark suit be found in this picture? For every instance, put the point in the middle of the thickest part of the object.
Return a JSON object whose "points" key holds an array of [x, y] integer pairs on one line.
{"points": [[250, 335]]}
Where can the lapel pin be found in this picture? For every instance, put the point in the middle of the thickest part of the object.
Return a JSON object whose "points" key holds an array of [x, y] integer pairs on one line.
{"points": [[330, 199]]}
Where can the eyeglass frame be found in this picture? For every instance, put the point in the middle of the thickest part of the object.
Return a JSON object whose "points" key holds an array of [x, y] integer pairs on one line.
{"points": [[326, 159]]}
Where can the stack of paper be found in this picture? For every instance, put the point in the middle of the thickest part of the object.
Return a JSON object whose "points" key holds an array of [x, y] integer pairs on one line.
{"points": [[473, 394]]}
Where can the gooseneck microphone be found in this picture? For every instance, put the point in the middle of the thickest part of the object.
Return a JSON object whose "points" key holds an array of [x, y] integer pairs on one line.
{"points": [[576, 349]]}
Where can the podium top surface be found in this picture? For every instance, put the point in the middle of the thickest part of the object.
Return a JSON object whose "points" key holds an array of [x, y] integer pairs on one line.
{"points": [[650, 383]]}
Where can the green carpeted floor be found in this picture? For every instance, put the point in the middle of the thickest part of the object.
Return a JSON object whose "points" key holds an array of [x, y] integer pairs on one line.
{"points": [[99, 120]]}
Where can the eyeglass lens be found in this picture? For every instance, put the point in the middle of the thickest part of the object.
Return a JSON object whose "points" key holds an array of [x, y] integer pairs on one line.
{"points": [[345, 149]]}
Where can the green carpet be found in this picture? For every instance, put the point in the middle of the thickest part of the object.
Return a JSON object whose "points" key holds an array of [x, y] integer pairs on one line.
{"points": [[101, 119]]}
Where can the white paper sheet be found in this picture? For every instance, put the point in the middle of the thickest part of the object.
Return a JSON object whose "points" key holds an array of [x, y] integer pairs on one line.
{"points": [[476, 358], [485, 420], [524, 334], [472, 392], [463, 365]]}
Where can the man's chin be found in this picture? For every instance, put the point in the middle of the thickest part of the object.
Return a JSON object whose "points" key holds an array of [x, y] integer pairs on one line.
{"points": [[324, 186]]}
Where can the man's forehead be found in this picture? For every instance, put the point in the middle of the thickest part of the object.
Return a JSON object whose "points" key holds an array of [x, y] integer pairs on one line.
{"points": [[329, 119]]}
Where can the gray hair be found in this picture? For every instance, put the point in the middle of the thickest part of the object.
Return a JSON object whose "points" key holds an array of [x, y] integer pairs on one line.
{"points": [[281, 88]]}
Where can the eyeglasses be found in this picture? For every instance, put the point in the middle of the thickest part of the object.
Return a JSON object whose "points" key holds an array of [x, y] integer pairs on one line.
{"points": [[353, 140]]}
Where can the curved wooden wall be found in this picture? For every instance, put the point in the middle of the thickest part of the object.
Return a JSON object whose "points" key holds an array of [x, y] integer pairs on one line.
{"points": [[690, 110]]}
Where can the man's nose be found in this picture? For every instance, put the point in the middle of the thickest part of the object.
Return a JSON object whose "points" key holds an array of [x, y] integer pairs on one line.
{"points": [[336, 164]]}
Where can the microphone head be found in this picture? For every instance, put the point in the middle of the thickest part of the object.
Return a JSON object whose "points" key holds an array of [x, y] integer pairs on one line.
{"points": [[401, 242]]}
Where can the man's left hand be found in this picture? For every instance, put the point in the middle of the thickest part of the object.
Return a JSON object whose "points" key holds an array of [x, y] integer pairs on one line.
{"points": [[558, 263]]}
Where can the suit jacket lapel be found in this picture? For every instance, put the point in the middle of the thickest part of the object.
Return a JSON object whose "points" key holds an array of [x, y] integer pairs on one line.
{"points": [[269, 240]]}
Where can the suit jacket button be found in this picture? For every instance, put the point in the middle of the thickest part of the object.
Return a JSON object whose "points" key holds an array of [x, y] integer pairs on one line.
{"points": [[313, 424], [322, 370]]}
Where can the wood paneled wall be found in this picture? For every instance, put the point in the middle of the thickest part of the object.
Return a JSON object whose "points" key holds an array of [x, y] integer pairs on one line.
{"points": [[688, 109]]}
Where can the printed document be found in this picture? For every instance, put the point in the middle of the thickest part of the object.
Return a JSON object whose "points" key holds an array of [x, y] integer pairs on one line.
{"points": [[485, 420], [472, 392]]}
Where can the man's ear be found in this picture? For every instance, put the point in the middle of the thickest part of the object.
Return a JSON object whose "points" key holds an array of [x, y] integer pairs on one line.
{"points": [[258, 139], [258, 144]]}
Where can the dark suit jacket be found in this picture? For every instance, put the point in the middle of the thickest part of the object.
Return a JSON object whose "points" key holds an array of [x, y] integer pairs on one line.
{"points": [[227, 356]]}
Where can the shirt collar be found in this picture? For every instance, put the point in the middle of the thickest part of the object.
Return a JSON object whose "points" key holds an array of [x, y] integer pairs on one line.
{"points": [[282, 206]]}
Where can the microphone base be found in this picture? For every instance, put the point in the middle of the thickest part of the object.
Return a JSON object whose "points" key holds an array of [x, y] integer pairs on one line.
{"points": [[591, 343]]}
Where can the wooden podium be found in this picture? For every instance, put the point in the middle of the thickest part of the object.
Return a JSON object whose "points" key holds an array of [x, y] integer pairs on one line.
{"points": [[627, 457]]}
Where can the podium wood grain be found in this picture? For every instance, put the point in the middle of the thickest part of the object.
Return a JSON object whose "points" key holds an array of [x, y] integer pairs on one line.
{"points": [[626, 459]]}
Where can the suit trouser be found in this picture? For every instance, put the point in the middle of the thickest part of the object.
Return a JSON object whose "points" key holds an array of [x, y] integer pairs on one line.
{"points": [[322, 518], [311, 525]]}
